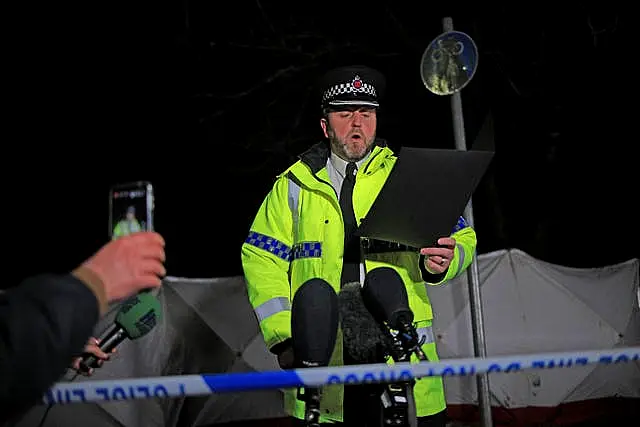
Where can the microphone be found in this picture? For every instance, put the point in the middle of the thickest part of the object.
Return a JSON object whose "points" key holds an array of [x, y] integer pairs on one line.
{"points": [[363, 338], [385, 295], [364, 342], [137, 316], [314, 328]]}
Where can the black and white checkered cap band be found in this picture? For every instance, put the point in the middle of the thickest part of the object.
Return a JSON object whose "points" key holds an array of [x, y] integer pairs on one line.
{"points": [[343, 88]]}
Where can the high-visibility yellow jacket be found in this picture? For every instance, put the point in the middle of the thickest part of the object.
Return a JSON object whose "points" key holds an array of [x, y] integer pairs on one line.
{"points": [[298, 234], [125, 227]]}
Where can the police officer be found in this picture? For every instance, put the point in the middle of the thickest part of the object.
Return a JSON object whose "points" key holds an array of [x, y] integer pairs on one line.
{"points": [[128, 225], [303, 230]]}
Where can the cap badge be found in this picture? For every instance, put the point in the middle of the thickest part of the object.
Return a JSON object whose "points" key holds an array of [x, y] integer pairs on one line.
{"points": [[356, 83]]}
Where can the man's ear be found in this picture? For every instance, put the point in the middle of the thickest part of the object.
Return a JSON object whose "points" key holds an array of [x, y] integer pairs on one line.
{"points": [[324, 124]]}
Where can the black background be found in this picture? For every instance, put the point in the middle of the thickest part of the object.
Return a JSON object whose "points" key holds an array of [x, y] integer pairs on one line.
{"points": [[210, 100]]}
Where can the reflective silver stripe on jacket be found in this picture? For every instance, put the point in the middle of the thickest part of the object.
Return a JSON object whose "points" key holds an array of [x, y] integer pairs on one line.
{"points": [[271, 307], [294, 195], [427, 332], [461, 260]]}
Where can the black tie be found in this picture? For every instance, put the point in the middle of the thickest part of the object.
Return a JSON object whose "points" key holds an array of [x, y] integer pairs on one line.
{"points": [[355, 397], [351, 260]]}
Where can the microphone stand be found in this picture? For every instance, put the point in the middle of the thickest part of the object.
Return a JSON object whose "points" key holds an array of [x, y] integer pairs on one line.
{"points": [[396, 396], [311, 397], [312, 411]]}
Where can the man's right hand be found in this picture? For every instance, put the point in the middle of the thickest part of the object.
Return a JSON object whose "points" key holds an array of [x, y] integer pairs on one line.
{"points": [[129, 264]]}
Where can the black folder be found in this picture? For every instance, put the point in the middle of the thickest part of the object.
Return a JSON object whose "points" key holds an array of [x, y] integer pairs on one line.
{"points": [[424, 195]]}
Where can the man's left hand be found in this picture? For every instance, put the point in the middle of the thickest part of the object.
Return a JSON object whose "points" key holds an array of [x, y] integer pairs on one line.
{"points": [[437, 259]]}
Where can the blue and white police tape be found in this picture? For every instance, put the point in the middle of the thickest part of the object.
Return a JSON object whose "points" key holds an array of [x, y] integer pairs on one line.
{"points": [[205, 384]]}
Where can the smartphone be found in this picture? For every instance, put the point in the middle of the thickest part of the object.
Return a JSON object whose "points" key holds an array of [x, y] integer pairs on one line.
{"points": [[131, 208]]}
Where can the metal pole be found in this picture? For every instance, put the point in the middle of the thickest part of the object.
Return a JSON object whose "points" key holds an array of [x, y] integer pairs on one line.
{"points": [[475, 300]]}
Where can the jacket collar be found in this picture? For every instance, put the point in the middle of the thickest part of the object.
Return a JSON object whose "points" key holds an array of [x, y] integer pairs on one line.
{"points": [[316, 157]]}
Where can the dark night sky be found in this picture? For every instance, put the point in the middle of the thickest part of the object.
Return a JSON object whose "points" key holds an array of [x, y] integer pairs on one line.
{"points": [[212, 104]]}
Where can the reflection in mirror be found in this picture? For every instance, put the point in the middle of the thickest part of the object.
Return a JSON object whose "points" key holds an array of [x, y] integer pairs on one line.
{"points": [[449, 63]]}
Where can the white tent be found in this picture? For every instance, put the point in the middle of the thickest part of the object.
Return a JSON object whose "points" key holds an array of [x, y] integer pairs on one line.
{"points": [[531, 306]]}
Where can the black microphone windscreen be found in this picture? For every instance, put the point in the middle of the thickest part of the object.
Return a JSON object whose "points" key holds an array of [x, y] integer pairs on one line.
{"points": [[314, 323], [364, 339], [385, 296]]}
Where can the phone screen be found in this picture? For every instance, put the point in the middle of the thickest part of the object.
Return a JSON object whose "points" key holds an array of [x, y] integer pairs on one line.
{"points": [[130, 208]]}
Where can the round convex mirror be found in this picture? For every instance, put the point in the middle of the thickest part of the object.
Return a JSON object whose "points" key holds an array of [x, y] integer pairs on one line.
{"points": [[449, 63]]}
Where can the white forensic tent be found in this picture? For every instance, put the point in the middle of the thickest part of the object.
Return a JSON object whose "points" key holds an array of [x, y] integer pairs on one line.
{"points": [[529, 307]]}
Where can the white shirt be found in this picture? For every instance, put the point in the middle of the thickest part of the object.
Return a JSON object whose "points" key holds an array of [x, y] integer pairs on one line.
{"points": [[336, 168]]}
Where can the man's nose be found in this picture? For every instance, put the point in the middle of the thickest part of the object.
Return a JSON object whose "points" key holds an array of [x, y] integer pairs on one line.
{"points": [[357, 120]]}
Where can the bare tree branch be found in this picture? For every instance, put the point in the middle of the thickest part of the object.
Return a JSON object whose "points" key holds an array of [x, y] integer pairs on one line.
{"points": [[266, 18], [401, 30], [277, 74]]}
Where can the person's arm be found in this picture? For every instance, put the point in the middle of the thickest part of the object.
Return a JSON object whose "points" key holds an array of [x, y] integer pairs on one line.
{"points": [[265, 261], [44, 322]]}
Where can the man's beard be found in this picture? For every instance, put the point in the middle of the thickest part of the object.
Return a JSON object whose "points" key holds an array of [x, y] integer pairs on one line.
{"points": [[342, 149]]}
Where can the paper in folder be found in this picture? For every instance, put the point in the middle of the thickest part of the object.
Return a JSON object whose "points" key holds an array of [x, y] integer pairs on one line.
{"points": [[424, 196]]}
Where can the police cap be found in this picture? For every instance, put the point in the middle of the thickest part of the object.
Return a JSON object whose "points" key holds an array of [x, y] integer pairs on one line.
{"points": [[354, 85]]}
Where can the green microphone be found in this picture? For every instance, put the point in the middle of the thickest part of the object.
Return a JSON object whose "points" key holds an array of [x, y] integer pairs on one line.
{"points": [[137, 316]]}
